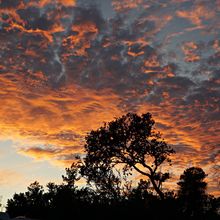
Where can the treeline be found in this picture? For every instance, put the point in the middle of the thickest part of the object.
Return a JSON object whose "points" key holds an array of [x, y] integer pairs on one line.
{"points": [[113, 153], [66, 201]]}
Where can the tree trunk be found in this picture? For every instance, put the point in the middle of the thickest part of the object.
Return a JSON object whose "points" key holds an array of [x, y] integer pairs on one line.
{"points": [[157, 189]]}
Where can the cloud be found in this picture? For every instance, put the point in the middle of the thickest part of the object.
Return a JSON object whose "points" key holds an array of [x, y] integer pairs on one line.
{"points": [[68, 66], [189, 50], [198, 13], [127, 5]]}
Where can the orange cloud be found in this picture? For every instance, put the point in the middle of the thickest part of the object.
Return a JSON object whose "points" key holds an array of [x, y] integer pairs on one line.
{"points": [[152, 62], [196, 16], [40, 116], [67, 2], [65, 70], [124, 5], [81, 40], [190, 51], [43, 3]]}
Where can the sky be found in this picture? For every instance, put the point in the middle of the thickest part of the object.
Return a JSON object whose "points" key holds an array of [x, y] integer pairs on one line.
{"points": [[68, 66]]}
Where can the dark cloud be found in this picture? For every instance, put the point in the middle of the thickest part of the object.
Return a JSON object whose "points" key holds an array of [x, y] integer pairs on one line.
{"points": [[9, 3], [34, 20], [68, 66], [91, 14]]}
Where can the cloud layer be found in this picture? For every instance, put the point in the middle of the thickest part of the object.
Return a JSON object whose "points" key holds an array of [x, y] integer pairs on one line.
{"points": [[67, 66]]}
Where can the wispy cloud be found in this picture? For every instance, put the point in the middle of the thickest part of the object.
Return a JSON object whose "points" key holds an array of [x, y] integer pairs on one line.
{"points": [[68, 66]]}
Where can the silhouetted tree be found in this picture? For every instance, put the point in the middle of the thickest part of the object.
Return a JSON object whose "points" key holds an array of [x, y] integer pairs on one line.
{"points": [[140, 192], [35, 198], [30, 203], [18, 205], [126, 144], [192, 191], [72, 175], [212, 207], [131, 142]]}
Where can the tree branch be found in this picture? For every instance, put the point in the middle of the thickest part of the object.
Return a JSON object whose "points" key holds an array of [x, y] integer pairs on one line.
{"points": [[140, 171]]}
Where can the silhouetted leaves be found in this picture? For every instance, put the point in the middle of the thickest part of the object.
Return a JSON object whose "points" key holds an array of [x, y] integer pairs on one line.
{"points": [[129, 143], [192, 193]]}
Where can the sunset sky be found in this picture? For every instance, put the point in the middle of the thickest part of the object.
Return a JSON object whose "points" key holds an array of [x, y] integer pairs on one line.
{"points": [[68, 66]]}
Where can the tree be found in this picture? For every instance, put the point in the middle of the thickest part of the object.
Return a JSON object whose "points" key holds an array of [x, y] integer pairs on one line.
{"points": [[18, 205], [72, 175], [192, 191], [140, 192], [30, 203], [131, 142]]}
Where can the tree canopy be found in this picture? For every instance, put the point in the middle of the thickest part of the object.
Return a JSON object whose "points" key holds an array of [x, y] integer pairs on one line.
{"points": [[130, 141], [192, 190]]}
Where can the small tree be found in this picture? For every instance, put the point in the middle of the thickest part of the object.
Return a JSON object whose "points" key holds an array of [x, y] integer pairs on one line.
{"points": [[192, 191], [129, 141], [72, 175], [18, 205]]}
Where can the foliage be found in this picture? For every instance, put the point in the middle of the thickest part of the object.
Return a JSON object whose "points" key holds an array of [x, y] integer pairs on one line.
{"points": [[131, 142], [192, 191], [66, 201]]}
